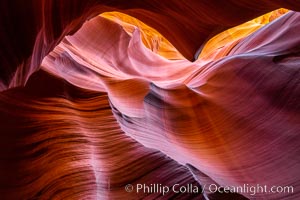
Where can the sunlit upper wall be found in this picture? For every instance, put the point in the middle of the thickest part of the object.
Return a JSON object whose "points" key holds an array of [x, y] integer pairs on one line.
{"points": [[151, 38], [221, 44], [215, 48]]}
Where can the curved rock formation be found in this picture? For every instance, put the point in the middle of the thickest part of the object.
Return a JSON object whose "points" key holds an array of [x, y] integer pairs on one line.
{"points": [[94, 103]]}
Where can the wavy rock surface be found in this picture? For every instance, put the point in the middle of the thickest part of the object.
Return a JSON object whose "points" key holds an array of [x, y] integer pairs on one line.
{"points": [[87, 107]]}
